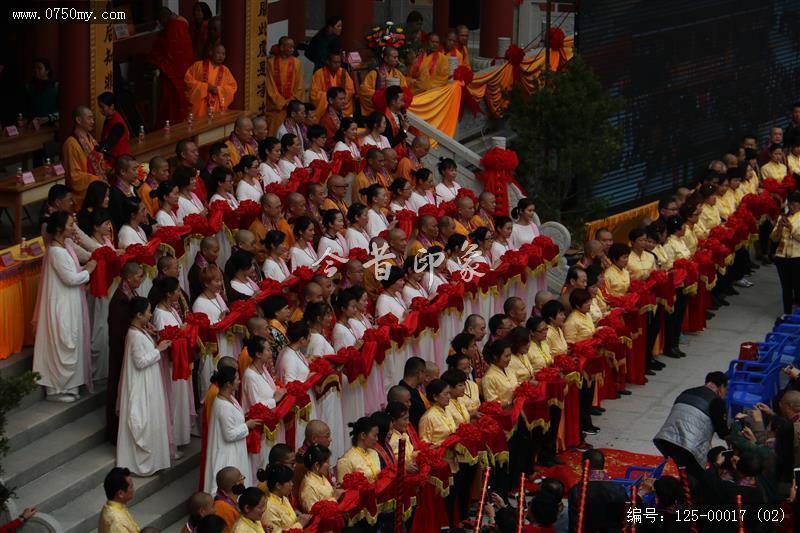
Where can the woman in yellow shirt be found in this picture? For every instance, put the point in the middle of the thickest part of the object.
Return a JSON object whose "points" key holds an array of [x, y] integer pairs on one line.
{"points": [[641, 263], [690, 213], [594, 280], [673, 322], [787, 257], [362, 457], [539, 351], [462, 481], [398, 413], [579, 325], [251, 504], [434, 427], [520, 339], [553, 313], [465, 355], [315, 485], [618, 279], [279, 514], [709, 214]]}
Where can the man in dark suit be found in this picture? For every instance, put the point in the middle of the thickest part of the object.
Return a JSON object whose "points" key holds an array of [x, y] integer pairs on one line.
{"points": [[604, 509], [413, 375], [119, 320]]}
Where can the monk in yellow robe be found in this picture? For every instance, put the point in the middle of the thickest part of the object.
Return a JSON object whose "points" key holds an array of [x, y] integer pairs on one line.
{"points": [[331, 75], [209, 84], [432, 68], [284, 82], [241, 142], [82, 162], [378, 79], [406, 167], [158, 172], [452, 49], [372, 173]]}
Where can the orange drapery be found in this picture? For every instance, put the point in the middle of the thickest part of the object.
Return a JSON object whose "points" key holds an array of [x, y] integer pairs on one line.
{"points": [[18, 284], [622, 223], [440, 107]]}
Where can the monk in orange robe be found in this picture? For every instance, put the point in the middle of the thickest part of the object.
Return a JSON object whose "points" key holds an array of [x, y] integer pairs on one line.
{"points": [[378, 78], [209, 84], [420, 147], [82, 162], [284, 82], [463, 42], [452, 48], [241, 141], [432, 68], [158, 172], [331, 75]]}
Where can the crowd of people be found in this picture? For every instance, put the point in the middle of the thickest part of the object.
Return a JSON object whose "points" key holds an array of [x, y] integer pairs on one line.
{"points": [[83, 338]]}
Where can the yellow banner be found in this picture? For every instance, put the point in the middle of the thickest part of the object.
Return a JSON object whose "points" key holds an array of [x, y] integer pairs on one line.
{"points": [[101, 61], [255, 45]]}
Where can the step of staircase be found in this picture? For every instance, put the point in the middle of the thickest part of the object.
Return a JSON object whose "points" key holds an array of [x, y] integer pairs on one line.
{"points": [[54, 449], [84, 476], [16, 365], [43, 418]]}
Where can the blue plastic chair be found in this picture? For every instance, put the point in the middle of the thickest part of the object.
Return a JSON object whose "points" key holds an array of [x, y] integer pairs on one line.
{"points": [[628, 483], [654, 471], [751, 388]]}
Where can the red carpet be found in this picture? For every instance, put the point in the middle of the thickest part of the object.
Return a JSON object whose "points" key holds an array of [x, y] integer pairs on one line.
{"points": [[617, 461]]}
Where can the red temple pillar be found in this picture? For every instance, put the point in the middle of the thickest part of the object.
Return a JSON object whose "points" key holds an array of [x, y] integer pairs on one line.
{"points": [[73, 66], [497, 20], [233, 21], [441, 18], [357, 17], [297, 21]]}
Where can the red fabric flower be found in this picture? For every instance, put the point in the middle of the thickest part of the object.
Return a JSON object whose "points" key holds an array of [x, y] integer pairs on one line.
{"points": [[567, 364], [526, 390], [248, 211], [491, 409], [547, 374], [104, 273], [432, 210], [463, 73], [358, 254], [198, 224], [278, 189], [320, 170], [321, 366], [270, 286], [355, 481], [556, 39], [449, 208], [303, 273]]}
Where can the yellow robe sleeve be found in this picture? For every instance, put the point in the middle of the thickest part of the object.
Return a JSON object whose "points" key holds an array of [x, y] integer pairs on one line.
{"points": [[367, 91], [196, 90], [317, 93], [228, 88], [77, 174], [298, 87], [361, 181], [151, 204], [279, 517], [430, 80]]}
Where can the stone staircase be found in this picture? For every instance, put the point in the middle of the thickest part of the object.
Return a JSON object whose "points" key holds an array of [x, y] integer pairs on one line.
{"points": [[58, 459]]}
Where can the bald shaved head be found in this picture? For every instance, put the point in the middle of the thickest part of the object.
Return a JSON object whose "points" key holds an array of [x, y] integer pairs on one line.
{"points": [[244, 236], [228, 477], [227, 361], [209, 243]]}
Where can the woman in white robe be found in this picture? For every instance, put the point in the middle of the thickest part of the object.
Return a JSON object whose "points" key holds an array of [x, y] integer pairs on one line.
{"points": [[168, 198], [269, 151], [374, 391], [377, 198], [101, 232], [391, 302], [227, 432], [525, 229], [188, 202], [345, 336], [166, 294], [293, 365], [212, 304], [291, 153], [61, 354], [249, 187], [275, 266], [356, 234], [143, 438], [332, 240], [258, 386], [317, 137], [319, 317], [401, 193], [302, 253], [422, 194], [222, 184], [448, 188], [502, 239]]}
